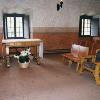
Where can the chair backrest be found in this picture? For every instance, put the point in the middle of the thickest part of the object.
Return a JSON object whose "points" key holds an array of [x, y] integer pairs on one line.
{"points": [[96, 45], [75, 50], [83, 51], [79, 51], [97, 55]]}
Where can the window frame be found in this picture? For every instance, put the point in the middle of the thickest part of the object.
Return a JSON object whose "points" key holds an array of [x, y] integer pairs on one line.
{"points": [[5, 29], [80, 26]]}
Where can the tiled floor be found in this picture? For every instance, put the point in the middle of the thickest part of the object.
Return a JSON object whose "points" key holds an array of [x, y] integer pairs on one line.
{"points": [[52, 80]]}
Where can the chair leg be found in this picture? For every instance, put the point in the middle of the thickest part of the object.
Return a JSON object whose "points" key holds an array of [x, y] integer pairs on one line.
{"points": [[64, 59], [77, 67], [70, 62], [96, 74], [81, 69]]}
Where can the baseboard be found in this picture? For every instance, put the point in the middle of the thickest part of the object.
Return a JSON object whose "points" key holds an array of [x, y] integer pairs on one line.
{"points": [[56, 51]]}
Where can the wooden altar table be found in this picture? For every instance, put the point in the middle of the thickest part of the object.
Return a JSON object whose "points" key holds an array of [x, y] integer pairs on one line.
{"points": [[36, 44]]}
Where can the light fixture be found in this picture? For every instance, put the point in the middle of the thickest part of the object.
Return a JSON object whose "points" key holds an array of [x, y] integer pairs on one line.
{"points": [[59, 5]]}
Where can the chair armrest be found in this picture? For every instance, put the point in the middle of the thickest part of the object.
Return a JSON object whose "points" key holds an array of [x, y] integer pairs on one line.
{"points": [[92, 57]]}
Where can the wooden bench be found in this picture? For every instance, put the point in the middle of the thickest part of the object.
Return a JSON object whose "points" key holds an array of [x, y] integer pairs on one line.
{"points": [[77, 55]]}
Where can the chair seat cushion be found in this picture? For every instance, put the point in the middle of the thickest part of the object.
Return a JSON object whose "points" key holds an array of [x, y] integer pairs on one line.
{"points": [[90, 65], [71, 57], [76, 59], [68, 56]]}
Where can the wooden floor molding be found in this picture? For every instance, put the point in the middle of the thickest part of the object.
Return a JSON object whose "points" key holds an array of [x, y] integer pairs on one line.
{"points": [[57, 51]]}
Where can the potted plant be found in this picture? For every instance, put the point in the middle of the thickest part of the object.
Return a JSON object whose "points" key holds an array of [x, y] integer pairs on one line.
{"points": [[23, 58]]}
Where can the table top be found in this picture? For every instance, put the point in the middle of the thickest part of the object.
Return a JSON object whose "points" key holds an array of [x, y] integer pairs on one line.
{"points": [[20, 40]]}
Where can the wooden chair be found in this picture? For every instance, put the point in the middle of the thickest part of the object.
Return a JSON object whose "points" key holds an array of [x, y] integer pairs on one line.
{"points": [[93, 66], [91, 63], [77, 55]]}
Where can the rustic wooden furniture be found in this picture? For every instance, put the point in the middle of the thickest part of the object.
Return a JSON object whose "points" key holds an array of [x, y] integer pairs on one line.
{"points": [[77, 55], [92, 66], [35, 44]]}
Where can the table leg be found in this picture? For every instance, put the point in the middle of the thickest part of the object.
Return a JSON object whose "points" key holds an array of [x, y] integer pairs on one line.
{"points": [[8, 61], [36, 55], [7, 57]]}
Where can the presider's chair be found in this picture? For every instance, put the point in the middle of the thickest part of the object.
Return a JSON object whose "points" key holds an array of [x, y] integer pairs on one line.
{"points": [[93, 66]]}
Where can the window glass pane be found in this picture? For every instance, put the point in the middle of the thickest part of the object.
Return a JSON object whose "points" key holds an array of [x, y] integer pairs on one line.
{"points": [[12, 34], [88, 21], [17, 34], [19, 19], [11, 30], [88, 29], [8, 19], [12, 19], [17, 30], [12, 25], [85, 25], [86, 33], [9, 34], [88, 25], [8, 24], [17, 24], [21, 25], [21, 29], [85, 29], [21, 34]]}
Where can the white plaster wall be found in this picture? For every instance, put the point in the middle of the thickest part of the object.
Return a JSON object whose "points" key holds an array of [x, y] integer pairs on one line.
{"points": [[43, 13]]}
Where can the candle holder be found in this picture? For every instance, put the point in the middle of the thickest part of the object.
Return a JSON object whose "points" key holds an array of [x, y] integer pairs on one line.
{"points": [[59, 5]]}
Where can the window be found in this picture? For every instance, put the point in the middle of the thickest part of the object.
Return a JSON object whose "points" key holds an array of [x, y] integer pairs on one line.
{"points": [[16, 26], [88, 26]]}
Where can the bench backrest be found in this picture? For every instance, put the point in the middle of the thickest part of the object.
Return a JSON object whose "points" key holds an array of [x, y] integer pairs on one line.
{"points": [[79, 51]]}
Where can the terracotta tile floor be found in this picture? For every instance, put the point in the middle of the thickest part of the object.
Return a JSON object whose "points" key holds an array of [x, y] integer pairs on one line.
{"points": [[52, 80]]}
